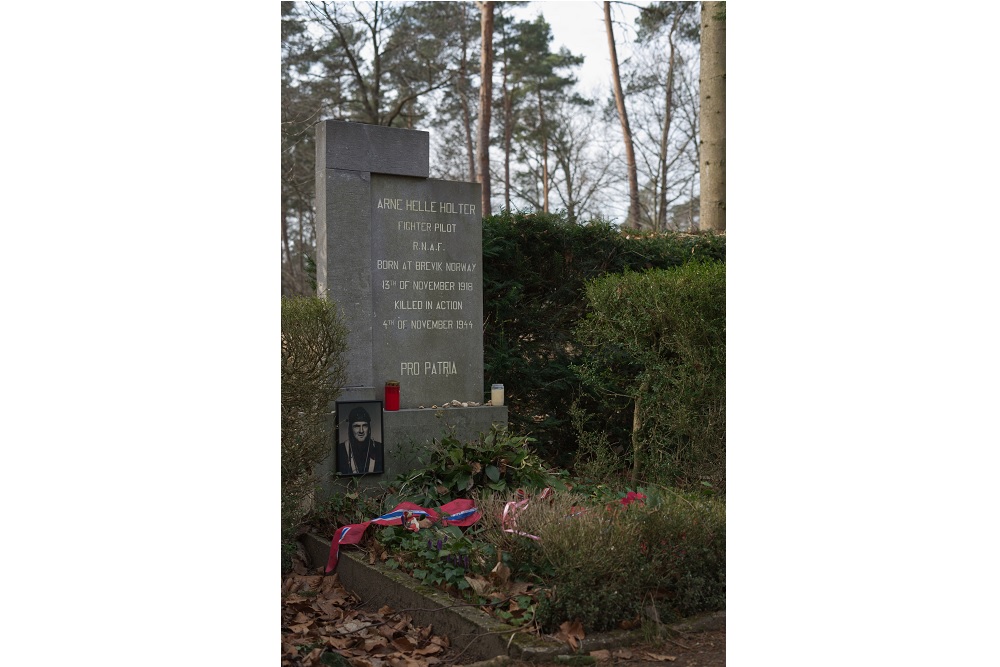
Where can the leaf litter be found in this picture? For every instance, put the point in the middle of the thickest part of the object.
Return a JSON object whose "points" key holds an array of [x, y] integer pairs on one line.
{"points": [[322, 624]]}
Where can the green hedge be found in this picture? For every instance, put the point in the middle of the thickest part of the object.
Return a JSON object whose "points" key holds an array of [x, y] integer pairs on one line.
{"points": [[603, 565], [659, 338], [535, 268], [313, 372]]}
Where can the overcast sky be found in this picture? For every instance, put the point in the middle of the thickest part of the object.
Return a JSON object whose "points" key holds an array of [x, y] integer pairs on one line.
{"points": [[579, 26]]}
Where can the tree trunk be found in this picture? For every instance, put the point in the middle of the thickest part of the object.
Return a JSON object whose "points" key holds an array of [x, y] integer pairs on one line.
{"points": [[508, 132], [463, 97], [633, 178], [713, 116], [636, 425], [661, 214], [285, 245], [545, 152], [507, 121], [485, 100]]}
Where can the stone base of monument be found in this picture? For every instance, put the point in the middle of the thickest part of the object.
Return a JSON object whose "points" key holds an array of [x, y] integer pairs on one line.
{"points": [[407, 436]]}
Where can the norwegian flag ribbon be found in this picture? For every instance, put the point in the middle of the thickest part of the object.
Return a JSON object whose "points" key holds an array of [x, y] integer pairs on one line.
{"points": [[458, 512]]}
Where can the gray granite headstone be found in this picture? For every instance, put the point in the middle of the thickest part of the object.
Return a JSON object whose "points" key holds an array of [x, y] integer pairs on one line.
{"points": [[401, 256], [427, 289]]}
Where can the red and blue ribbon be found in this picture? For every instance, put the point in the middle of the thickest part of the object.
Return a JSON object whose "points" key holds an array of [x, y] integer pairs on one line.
{"points": [[459, 512]]}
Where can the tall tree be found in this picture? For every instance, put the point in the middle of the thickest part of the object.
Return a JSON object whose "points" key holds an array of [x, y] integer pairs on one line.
{"points": [[679, 22], [583, 168], [308, 93], [713, 116], [659, 77], [534, 85], [485, 99], [393, 56], [463, 88], [454, 109], [633, 178], [508, 31]]}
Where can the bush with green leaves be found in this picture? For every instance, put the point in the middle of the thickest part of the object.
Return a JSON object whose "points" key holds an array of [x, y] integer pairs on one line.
{"points": [[439, 556], [507, 520], [342, 509], [657, 340], [599, 557], [608, 560], [597, 567], [535, 267], [683, 537], [313, 371], [498, 460]]}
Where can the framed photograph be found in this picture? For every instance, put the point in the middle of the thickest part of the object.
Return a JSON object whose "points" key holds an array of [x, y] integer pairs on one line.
{"points": [[359, 438]]}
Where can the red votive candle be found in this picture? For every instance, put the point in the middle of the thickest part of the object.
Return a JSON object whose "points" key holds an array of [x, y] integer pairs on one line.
{"points": [[392, 396]]}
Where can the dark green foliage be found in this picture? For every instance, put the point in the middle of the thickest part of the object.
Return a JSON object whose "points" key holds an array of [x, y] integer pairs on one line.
{"points": [[596, 604], [661, 16], [535, 267], [440, 556], [659, 337], [684, 540], [668, 548], [498, 461], [342, 509], [313, 346], [599, 569]]}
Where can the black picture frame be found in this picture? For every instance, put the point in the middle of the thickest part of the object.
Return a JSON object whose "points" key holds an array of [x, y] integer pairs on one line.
{"points": [[367, 459]]}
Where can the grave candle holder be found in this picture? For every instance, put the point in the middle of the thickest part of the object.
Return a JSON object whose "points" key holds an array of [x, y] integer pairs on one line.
{"points": [[496, 394], [392, 395]]}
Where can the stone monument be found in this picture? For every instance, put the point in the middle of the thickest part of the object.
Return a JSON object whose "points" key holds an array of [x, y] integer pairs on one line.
{"points": [[401, 256]]}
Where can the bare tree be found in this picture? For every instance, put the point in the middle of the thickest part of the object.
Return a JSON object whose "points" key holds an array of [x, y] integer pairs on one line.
{"points": [[392, 53], [681, 9], [656, 80], [583, 169]]}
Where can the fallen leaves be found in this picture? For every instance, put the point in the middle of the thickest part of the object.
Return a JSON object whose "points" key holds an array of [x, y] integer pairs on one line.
{"points": [[320, 617], [572, 633], [500, 574], [478, 584], [605, 655], [659, 657]]}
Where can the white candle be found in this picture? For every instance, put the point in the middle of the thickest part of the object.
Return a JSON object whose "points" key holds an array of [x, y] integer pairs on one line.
{"points": [[496, 394]]}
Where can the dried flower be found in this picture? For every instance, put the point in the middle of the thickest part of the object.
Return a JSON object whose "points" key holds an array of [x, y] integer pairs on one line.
{"points": [[632, 497]]}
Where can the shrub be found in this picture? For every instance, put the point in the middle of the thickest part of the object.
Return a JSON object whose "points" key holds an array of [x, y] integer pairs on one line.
{"points": [[658, 338], [684, 537], [599, 561], [438, 556], [597, 461], [597, 569], [313, 371], [604, 563], [520, 553], [535, 267], [452, 469], [342, 509], [599, 558]]}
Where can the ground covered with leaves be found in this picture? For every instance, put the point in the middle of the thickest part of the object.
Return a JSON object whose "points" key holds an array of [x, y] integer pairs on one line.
{"points": [[324, 624]]}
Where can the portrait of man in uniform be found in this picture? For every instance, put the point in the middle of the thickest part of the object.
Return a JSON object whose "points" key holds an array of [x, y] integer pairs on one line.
{"points": [[359, 446]]}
